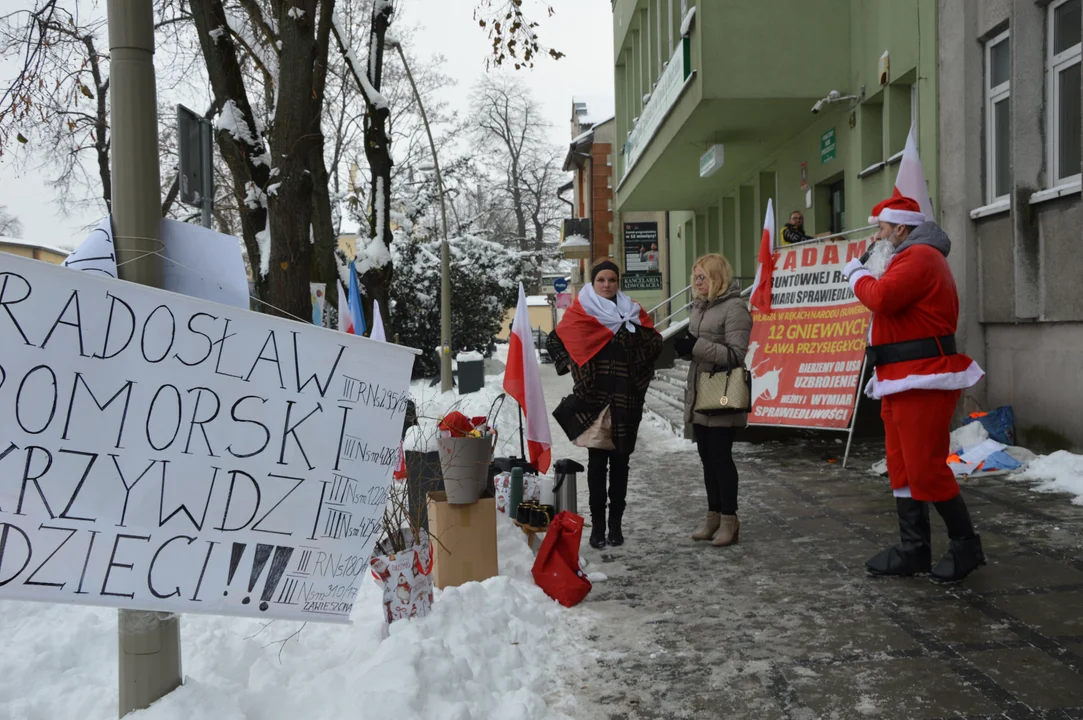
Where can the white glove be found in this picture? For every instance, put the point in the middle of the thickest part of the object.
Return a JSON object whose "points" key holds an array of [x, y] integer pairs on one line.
{"points": [[852, 267]]}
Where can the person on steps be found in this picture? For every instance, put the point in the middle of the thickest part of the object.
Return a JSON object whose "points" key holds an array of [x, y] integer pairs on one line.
{"points": [[718, 329], [608, 343], [919, 376]]}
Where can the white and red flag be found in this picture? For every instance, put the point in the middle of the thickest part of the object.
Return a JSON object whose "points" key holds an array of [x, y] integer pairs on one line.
{"points": [[910, 182], [761, 286], [522, 381]]}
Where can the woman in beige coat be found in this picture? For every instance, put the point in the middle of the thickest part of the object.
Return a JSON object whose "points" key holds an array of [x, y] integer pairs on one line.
{"points": [[717, 339]]}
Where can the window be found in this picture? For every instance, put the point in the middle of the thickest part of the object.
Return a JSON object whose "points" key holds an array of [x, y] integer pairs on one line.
{"points": [[998, 126], [1065, 28]]}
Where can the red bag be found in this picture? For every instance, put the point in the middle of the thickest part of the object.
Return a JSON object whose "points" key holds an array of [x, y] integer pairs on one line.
{"points": [[556, 569]]}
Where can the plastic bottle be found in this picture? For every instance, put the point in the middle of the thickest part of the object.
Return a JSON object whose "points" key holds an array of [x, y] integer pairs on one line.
{"points": [[515, 492]]}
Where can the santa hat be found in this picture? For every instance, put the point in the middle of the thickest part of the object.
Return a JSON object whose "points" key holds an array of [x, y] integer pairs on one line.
{"points": [[897, 210]]}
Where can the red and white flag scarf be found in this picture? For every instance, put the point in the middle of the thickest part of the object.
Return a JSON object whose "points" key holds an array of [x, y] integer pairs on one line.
{"points": [[592, 321]]}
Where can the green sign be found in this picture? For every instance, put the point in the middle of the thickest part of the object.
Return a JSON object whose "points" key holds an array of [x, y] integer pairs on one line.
{"points": [[827, 146]]}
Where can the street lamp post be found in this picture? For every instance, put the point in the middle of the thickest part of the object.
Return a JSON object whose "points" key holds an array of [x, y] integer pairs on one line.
{"points": [[445, 249], [149, 657]]}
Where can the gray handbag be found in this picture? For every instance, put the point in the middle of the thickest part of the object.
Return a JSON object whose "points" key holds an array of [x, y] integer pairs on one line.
{"points": [[724, 391]]}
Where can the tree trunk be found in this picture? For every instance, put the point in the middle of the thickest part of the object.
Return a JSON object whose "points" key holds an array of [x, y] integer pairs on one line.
{"points": [[296, 137], [324, 233], [244, 159], [377, 282]]}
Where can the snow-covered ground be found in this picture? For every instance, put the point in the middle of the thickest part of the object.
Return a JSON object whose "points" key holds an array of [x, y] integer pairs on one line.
{"points": [[497, 649], [1061, 472]]}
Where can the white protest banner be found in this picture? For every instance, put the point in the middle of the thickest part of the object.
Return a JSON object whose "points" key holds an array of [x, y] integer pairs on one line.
{"points": [[199, 262], [163, 453]]}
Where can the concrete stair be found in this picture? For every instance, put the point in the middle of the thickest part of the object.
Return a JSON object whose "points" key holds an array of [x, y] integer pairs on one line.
{"points": [[665, 396]]}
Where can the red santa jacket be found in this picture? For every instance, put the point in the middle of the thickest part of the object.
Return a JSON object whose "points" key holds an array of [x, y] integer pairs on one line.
{"points": [[916, 298]]}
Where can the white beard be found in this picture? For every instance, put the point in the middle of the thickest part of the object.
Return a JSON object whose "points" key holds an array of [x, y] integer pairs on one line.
{"points": [[879, 258]]}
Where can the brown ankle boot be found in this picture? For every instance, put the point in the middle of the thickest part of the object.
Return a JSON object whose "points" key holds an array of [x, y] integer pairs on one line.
{"points": [[729, 531], [709, 528]]}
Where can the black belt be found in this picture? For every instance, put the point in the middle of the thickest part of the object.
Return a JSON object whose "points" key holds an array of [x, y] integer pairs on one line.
{"points": [[922, 349]]}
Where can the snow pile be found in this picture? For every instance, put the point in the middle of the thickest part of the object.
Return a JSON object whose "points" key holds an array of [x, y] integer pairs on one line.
{"points": [[1061, 472], [496, 649], [472, 356]]}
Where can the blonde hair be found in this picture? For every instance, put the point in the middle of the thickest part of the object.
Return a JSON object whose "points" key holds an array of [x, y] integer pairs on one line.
{"points": [[719, 274]]}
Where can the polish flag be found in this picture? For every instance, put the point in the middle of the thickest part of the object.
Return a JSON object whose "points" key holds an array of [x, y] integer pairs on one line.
{"points": [[761, 286], [910, 182], [523, 382], [345, 322]]}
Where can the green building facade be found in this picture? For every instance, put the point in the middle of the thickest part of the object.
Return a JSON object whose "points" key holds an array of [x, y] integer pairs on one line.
{"points": [[728, 86]]}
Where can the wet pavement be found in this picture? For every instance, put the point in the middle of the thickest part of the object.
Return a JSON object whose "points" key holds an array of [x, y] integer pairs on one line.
{"points": [[788, 625]]}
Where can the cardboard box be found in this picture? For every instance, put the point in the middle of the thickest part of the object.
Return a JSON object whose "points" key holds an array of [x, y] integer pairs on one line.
{"points": [[463, 539]]}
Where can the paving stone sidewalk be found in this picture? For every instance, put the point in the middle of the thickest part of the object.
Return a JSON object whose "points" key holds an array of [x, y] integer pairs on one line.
{"points": [[788, 625]]}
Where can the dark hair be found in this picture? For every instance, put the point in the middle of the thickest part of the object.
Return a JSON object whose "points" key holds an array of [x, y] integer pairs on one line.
{"points": [[604, 265]]}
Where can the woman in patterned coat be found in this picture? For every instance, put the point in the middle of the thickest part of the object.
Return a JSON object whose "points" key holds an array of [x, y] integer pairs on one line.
{"points": [[608, 343]]}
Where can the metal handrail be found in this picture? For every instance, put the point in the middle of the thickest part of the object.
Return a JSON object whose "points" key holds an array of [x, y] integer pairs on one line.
{"points": [[674, 314], [668, 299], [844, 233]]}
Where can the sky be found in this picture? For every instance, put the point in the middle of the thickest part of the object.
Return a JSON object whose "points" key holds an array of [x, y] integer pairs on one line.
{"points": [[582, 29]]}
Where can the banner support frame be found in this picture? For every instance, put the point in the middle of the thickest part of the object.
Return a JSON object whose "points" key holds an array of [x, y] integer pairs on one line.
{"points": [[853, 417]]}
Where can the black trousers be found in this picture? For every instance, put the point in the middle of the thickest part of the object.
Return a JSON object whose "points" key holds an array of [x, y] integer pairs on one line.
{"points": [[715, 445], [600, 464]]}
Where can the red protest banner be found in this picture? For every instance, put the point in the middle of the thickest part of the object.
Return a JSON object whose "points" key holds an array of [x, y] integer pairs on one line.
{"points": [[806, 356]]}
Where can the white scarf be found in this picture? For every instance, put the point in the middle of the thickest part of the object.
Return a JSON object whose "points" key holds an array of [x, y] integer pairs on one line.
{"points": [[622, 310]]}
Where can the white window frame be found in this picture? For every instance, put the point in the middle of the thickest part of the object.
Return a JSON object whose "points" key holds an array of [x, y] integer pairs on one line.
{"points": [[1055, 65], [993, 95]]}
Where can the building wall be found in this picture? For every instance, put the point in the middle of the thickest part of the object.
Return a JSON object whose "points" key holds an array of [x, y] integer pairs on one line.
{"points": [[32, 252], [1016, 262], [850, 37]]}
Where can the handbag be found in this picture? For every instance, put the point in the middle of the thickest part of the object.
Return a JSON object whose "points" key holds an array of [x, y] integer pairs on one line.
{"points": [[600, 434], [724, 392]]}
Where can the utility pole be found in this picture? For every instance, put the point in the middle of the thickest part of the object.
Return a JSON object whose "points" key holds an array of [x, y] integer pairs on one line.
{"points": [[445, 249], [149, 642]]}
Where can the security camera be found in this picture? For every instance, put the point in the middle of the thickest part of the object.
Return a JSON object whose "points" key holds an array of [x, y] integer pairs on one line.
{"points": [[833, 97]]}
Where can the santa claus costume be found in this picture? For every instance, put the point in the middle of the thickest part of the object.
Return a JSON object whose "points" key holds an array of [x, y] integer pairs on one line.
{"points": [[918, 376]]}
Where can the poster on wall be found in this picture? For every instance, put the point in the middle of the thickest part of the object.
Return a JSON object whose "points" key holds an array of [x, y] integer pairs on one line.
{"points": [[642, 258], [163, 453], [806, 356]]}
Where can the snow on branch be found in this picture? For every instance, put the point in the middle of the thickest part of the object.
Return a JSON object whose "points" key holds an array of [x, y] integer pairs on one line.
{"points": [[372, 96]]}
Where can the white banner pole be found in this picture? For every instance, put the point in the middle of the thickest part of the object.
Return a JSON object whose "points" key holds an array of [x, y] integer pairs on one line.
{"points": [[853, 418]]}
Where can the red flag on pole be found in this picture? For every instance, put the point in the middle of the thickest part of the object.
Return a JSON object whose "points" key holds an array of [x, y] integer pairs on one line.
{"points": [[761, 286], [522, 381]]}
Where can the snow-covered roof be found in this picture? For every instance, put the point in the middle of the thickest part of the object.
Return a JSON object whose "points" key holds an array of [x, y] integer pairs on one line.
{"points": [[33, 245], [575, 241], [594, 108], [536, 300]]}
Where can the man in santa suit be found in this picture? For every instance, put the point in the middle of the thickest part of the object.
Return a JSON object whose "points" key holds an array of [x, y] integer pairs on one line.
{"points": [[919, 377]]}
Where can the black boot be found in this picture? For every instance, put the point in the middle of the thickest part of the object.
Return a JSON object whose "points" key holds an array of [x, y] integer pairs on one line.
{"points": [[616, 537], [964, 554], [597, 533], [618, 492], [913, 555]]}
